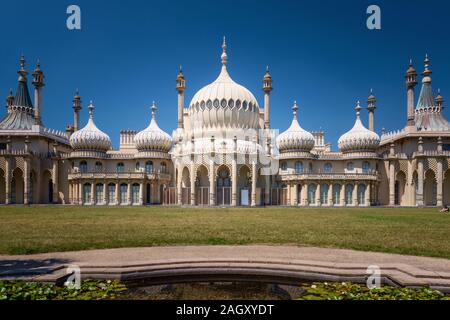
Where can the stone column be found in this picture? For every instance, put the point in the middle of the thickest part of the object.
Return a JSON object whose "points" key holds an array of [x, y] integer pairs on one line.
{"points": [[7, 181], [367, 195], [330, 194], [193, 176], [234, 183], [419, 196], [80, 193], [304, 194], [93, 193], [254, 178], [129, 194], [267, 190], [179, 190], [26, 181], [289, 196], [55, 177], [342, 195], [105, 193], [439, 180], [141, 194], [318, 195], [117, 193], [355, 194], [391, 183], [295, 198], [212, 184]]}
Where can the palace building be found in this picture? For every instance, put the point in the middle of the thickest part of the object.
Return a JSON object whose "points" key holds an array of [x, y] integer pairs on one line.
{"points": [[225, 153]]}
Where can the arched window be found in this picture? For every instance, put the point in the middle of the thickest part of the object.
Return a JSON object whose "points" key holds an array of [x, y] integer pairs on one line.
{"points": [[350, 166], [284, 166], [137, 166], [348, 194], [98, 166], [366, 167], [149, 167], [136, 188], [87, 193], [163, 167], [312, 193], [298, 167], [310, 167], [327, 167], [123, 193], [336, 193], [99, 193], [83, 166], [323, 194], [361, 194], [112, 193], [120, 167]]}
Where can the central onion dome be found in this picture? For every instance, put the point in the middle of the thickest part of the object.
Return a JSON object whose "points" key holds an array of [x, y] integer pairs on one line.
{"points": [[153, 138], [295, 138], [359, 138], [224, 103], [90, 138]]}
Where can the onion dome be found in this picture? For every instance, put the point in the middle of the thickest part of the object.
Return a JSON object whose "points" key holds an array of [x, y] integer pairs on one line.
{"points": [[359, 138], [90, 138], [153, 138], [295, 138], [224, 103], [411, 71]]}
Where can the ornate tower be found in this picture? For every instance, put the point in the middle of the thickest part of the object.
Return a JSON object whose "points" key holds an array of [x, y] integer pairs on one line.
{"points": [[180, 86], [38, 82], [267, 87], [76, 111], [371, 108], [439, 100], [9, 100], [411, 82]]}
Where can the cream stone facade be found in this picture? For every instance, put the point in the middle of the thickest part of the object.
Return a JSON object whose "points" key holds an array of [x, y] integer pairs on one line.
{"points": [[225, 153]]}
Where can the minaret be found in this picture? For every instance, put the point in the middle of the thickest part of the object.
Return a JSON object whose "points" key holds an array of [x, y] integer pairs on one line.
{"points": [[180, 86], [76, 111], [439, 100], [267, 87], [38, 82], [371, 108], [411, 82]]}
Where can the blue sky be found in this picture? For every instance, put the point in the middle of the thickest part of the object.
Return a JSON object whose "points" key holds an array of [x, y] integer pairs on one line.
{"points": [[320, 53]]}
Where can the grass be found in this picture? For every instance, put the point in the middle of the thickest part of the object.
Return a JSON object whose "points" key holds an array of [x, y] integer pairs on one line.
{"points": [[36, 229]]}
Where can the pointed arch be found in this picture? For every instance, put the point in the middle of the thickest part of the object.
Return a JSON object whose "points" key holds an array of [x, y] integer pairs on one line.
{"points": [[430, 188]]}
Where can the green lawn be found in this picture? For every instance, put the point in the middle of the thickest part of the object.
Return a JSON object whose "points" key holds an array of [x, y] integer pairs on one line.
{"points": [[25, 230]]}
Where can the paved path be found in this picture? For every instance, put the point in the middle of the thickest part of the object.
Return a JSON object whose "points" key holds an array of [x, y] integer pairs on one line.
{"points": [[275, 263]]}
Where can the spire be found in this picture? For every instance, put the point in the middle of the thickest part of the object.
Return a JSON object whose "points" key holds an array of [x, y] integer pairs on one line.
{"points": [[180, 81], [224, 56], [358, 109], [295, 109], [439, 99], [153, 108], [427, 72], [91, 110], [22, 98]]}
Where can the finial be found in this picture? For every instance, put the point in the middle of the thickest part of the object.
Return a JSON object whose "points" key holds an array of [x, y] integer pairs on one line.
{"points": [[295, 109], [10, 91], [358, 108], [410, 62], [22, 62], [38, 64], [427, 62], [224, 56], [91, 110], [181, 68], [153, 108], [77, 92]]}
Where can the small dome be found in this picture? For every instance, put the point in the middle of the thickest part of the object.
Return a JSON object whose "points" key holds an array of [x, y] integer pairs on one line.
{"points": [[359, 138], [90, 137], [295, 138], [153, 138]]}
